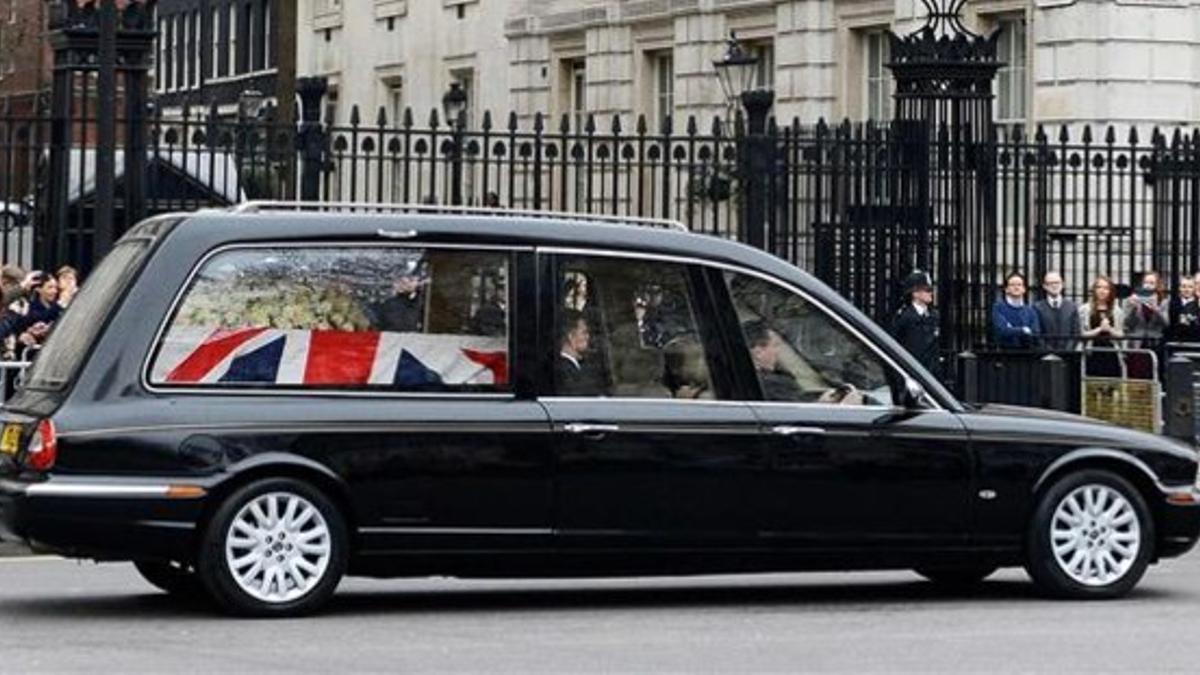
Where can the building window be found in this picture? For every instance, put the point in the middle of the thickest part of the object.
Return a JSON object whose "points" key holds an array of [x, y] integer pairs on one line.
{"points": [[395, 102], [268, 33], [578, 92], [246, 46], [664, 85], [233, 39], [1011, 80], [465, 77], [331, 107], [169, 60], [215, 35], [160, 67], [878, 76], [181, 34], [765, 75], [195, 71]]}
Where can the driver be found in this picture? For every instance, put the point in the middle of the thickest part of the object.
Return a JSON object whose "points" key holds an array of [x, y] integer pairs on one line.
{"points": [[777, 383]]}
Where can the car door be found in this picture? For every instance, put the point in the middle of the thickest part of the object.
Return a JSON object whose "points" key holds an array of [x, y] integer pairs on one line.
{"points": [[849, 466], [649, 451]]}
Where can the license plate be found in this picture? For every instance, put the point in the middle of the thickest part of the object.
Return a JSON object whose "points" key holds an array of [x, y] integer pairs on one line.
{"points": [[10, 441]]}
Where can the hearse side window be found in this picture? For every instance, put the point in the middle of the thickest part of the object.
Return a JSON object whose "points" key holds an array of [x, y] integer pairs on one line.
{"points": [[801, 354], [627, 328], [394, 319]]}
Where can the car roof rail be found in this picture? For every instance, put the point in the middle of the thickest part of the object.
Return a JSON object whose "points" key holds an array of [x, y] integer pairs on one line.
{"points": [[440, 209]]}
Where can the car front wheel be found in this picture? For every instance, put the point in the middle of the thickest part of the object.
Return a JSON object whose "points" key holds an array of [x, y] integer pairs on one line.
{"points": [[276, 547], [1091, 537]]}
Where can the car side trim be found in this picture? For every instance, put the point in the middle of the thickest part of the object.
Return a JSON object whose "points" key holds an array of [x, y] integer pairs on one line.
{"points": [[458, 530], [335, 427], [97, 490]]}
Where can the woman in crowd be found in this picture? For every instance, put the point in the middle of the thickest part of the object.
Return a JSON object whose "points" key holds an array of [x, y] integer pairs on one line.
{"points": [[1015, 325], [1101, 320], [68, 284]]}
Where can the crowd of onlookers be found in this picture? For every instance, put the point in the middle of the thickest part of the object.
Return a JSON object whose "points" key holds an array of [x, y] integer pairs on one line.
{"points": [[32, 303], [1149, 317], [1150, 314]]}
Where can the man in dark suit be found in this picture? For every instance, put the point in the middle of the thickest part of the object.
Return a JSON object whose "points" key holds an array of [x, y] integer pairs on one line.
{"points": [[573, 375], [915, 326], [1058, 315]]}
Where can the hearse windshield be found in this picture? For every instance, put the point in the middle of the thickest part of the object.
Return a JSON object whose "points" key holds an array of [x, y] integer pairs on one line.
{"points": [[75, 332]]}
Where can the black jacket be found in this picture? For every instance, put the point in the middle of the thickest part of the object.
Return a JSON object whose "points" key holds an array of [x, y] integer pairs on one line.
{"points": [[576, 379], [1184, 323], [400, 313], [1060, 326], [919, 335]]}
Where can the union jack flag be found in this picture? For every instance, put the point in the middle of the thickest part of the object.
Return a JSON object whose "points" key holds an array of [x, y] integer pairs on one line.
{"points": [[329, 357]]}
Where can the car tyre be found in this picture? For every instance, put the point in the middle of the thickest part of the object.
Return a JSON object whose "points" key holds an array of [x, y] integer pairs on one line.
{"points": [[1091, 537], [173, 578], [274, 548], [958, 576]]}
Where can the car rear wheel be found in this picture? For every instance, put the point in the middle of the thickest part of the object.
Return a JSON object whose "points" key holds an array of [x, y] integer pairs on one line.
{"points": [[174, 578], [957, 576], [1091, 537], [276, 547]]}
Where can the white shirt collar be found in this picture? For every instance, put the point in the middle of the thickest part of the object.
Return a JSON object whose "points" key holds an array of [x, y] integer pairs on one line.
{"points": [[921, 309], [570, 358]]}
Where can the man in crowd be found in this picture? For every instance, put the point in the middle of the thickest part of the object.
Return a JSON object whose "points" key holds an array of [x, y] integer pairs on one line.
{"points": [[1059, 316], [916, 324], [573, 374]]}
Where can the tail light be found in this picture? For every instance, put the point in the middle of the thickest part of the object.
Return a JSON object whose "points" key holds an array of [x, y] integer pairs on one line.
{"points": [[43, 447]]}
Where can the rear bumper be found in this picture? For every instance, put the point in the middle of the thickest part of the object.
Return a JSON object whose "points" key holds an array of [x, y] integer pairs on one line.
{"points": [[101, 520]]}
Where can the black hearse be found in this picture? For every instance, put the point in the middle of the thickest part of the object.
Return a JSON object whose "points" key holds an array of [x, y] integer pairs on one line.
{"points": [[257, 402]]}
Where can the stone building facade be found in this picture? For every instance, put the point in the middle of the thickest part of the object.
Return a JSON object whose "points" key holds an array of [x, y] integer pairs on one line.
{"points": [[1066, 61]]}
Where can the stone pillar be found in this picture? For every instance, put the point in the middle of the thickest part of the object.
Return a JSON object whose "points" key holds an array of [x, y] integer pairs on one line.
{"points": [[806, 60], [529, 75], [610, 73], [699, 38]]}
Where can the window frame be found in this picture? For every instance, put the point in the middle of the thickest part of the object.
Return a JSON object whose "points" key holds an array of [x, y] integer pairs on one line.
{"points": [[884, 79], [740, 365], [1010, 71], [716, 354], [515, 363]]}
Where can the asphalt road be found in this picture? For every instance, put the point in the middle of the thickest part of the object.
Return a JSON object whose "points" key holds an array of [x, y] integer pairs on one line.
{"points": [[57, 615]]}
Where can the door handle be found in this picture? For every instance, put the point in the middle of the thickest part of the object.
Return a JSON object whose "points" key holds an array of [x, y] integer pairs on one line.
{"points": [[583, 428], [787, 430]]}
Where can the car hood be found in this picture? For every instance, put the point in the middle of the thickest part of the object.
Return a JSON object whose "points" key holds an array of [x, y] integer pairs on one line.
{"points": [[1055, 426]]}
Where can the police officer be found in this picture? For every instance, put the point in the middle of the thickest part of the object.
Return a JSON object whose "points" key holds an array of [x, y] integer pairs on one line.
{"points": [[916, 323]]}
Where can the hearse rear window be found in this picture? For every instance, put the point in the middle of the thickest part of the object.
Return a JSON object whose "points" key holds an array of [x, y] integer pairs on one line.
{"points": [[398, 319], [78, 327]]}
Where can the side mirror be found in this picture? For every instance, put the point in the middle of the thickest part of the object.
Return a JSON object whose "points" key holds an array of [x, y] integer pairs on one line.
{"points": [[914, 394]]}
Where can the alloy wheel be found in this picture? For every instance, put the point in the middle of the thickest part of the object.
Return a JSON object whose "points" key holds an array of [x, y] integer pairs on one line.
{"points": [[278, 547], [1095, 535]]}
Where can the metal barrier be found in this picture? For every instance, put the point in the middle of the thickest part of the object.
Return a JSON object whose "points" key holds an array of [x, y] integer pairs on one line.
{"points": [[1122, 386], [12, 374]]}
